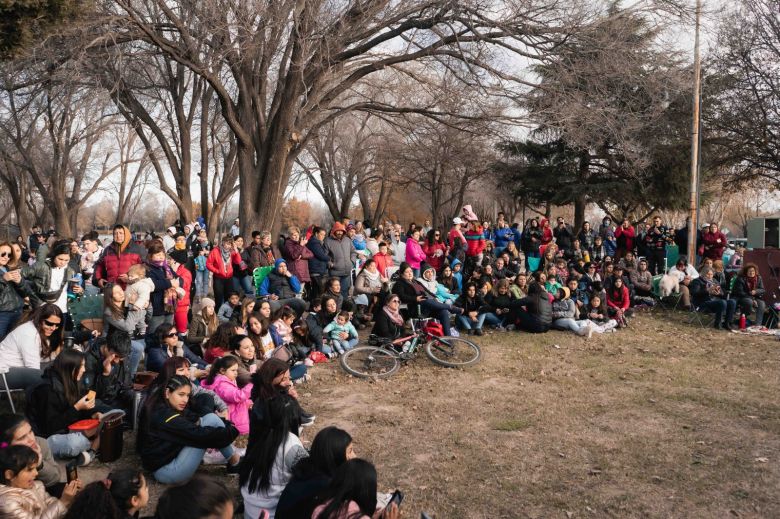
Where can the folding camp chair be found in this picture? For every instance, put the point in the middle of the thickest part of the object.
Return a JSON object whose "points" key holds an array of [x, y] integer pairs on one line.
{"points": [[704, 319], [259, 275], [667, 303], [87, 312], [7, 391]]}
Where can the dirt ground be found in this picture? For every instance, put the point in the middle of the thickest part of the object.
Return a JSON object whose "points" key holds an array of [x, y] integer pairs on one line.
{"points": [[663, 419]]}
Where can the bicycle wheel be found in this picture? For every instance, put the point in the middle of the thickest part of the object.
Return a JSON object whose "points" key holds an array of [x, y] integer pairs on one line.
{"points": [[453, 352], [369, 361]]}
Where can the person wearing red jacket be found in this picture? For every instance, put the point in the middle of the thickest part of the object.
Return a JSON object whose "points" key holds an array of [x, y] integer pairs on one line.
{"points": [[475, 241], [547, 234], [220, 265], [117, 259], [435, 250], [714, 242], [177, 259], [624, 236], [618, 301]]}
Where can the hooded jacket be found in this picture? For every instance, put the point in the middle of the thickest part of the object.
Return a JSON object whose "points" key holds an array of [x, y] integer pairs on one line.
{"points": [[282, 286], [342, 252], [118, 258], [237, 400]]}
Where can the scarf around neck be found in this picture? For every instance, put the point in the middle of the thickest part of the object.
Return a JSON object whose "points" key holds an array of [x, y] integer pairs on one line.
{"points": [[394, 316]]}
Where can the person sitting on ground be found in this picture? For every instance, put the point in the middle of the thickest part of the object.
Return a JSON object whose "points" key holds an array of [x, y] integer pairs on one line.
{"points": [[107, 373], [259, 333], [232, 303], [21, 495], [16, 430], [282, 288], [272, 380], [203, 326], [217, 345], [448, 281], [337, 329], [168, 345], [749, 292], [537, 316], [61, 400], [564, 313], [597, 313], [707, 296], [243, 349], [199, 498], [240, 317], [685, 273], [267, 465], [172, 439], [519, 288], [281, 328], [473, 306], [331, 448], [642, 281], [202, 401], [618, 302], [222, 381], [352, 493], [500, 306], [121, 495]]}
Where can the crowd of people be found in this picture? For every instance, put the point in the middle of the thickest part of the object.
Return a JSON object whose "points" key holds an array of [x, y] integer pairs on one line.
{"points": [[226, 331]]}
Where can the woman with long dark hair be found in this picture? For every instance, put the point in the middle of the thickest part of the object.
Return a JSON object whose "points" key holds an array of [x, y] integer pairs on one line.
{"points": [[11, 292], [435, 249], [172, 439], [61, 401], [30, 345], [163, 300], [352, 494], [267, 467], [331, 448], [47, 281]]}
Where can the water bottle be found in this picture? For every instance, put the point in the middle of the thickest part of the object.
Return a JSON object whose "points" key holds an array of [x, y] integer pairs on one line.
{"points": [[742, 322]]}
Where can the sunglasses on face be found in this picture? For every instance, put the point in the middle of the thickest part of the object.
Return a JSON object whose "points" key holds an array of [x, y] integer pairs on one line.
{"points": [[172, 334], [5, 254], [51, 324]]}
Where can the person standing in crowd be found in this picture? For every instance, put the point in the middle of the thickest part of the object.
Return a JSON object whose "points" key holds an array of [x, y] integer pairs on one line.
{"points": [[11, 291], [342, 257], [435, 250], [414, 252], [714, 243], [564, 235], [235, 229], [117, 259], [655, 240], [168, 240], [91, 252], [242, 274], [220, 265], [297, 255], [48, 281], [166, 287], [624, 236], [177, 261], [318, 262]]}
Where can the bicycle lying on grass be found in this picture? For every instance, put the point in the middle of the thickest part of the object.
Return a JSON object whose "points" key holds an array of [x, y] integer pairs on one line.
{"points": [[384, 356]]}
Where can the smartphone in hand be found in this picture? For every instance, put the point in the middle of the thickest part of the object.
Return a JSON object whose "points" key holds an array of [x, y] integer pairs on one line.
{"points": [[72, 471], [396, 498]]}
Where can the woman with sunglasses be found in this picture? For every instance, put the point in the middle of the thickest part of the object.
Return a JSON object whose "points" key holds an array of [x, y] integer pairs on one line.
{"points": [[11, 294], [172, 438], [30, 345], [435, 250], [169, 346], [388, 323]]}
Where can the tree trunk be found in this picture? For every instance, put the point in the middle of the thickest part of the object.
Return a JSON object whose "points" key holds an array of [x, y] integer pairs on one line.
{"points": [[580, 203]]}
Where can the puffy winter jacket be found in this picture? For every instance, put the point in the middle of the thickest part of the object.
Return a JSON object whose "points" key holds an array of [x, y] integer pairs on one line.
{"points": [[318, 262], [117, 259], [414, 254], [236, 399]]}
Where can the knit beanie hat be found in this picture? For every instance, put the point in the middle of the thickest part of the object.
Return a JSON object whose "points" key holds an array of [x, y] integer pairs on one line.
{"points": [[179, 256], [207, 301]]}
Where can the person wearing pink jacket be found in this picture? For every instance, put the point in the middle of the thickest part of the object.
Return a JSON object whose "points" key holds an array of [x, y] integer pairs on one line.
{"points": [[414, 253], [222, 380]]}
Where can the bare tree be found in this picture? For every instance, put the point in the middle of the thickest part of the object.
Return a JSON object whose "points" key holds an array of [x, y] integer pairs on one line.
{"points": [[51, 132], [283, 69]]}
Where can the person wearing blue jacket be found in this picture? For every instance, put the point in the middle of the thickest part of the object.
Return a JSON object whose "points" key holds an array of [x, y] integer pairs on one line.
{"points": [[282, 288], [318, 265], [504, 234], [168, 345], [457, 273]]}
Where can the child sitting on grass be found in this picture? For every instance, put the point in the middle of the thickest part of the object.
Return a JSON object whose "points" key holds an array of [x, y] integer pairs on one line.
{"points": [[222, 380]]}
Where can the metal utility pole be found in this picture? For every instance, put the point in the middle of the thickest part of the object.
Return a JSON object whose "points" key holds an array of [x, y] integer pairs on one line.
{"points": [[694, 224]]}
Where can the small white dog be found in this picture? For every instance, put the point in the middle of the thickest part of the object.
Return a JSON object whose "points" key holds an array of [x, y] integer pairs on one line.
{"points": [[669, 285]]}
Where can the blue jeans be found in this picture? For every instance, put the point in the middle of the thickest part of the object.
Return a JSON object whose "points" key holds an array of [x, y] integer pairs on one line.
{"points": [[7, 321], [440, 311], [718, 307], [346, 284], [186, 463], [244, 284], [201, 283], [298, 371], [492, 319], [136, 354], [68, 445], [343, 345], [567, 323], [466, 323]]}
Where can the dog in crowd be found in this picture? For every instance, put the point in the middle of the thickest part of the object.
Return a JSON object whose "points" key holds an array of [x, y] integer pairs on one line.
{"points": [[669, 285]]}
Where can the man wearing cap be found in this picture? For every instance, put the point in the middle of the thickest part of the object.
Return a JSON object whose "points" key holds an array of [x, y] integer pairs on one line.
{"points": [[342, 257], [283, 288]]}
